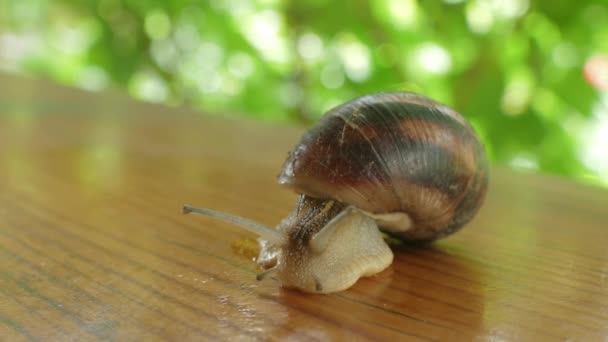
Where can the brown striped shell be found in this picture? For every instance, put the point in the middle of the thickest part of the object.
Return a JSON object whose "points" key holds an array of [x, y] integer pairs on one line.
{"points": [[394, 152]]}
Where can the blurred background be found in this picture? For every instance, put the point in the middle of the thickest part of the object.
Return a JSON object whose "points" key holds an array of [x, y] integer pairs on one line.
{"points": [[531, 76]]}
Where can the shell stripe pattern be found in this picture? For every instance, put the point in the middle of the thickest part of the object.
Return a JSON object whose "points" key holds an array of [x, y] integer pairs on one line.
{"points": [[392, 152]]}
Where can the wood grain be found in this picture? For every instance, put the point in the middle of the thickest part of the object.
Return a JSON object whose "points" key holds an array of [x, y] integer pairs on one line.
{"points": [[93, 246]]}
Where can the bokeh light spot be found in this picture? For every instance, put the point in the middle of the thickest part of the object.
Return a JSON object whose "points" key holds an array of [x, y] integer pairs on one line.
{"points": [[596, 72], [480, 17], [332, 76], [509, 8], [186, 36], [518, 92], [404, 13], [310, 46], [595, 142], [355, 58], [524, 161], [93, 78], [148, 86], [264, 30], [157, 24], [516, 97], [433, 58], [165, 54]]}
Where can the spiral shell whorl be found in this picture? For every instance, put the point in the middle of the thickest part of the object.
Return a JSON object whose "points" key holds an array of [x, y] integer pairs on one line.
{"points": [[394, 152]]}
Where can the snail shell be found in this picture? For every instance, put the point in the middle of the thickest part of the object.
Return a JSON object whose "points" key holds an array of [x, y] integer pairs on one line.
{"points": [[394, 153]]}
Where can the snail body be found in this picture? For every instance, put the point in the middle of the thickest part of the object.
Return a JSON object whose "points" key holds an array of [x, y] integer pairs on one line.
{"points": [[393, 162]]}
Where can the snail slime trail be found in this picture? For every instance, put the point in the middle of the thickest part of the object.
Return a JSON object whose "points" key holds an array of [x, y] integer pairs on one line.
{"points": [[397, 162]]}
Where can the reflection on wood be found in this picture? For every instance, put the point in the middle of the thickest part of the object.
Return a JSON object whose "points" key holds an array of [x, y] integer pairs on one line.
{"points": [[93, 245]]}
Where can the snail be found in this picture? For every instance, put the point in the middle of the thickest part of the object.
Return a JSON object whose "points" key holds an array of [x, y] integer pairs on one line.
{"points": [[398, 163]]}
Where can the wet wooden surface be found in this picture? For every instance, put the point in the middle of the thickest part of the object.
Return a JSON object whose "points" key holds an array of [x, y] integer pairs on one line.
{"points": [[93, 246]]}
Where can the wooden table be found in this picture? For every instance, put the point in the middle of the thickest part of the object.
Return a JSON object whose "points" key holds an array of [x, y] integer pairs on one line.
{"points": [[93, 245]]}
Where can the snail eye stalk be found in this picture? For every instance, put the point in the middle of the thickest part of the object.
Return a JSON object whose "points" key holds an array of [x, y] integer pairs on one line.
{"points": [[247, 224]]}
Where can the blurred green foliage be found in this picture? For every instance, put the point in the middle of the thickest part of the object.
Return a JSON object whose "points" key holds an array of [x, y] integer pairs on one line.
{"points": [[514, 68]]}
